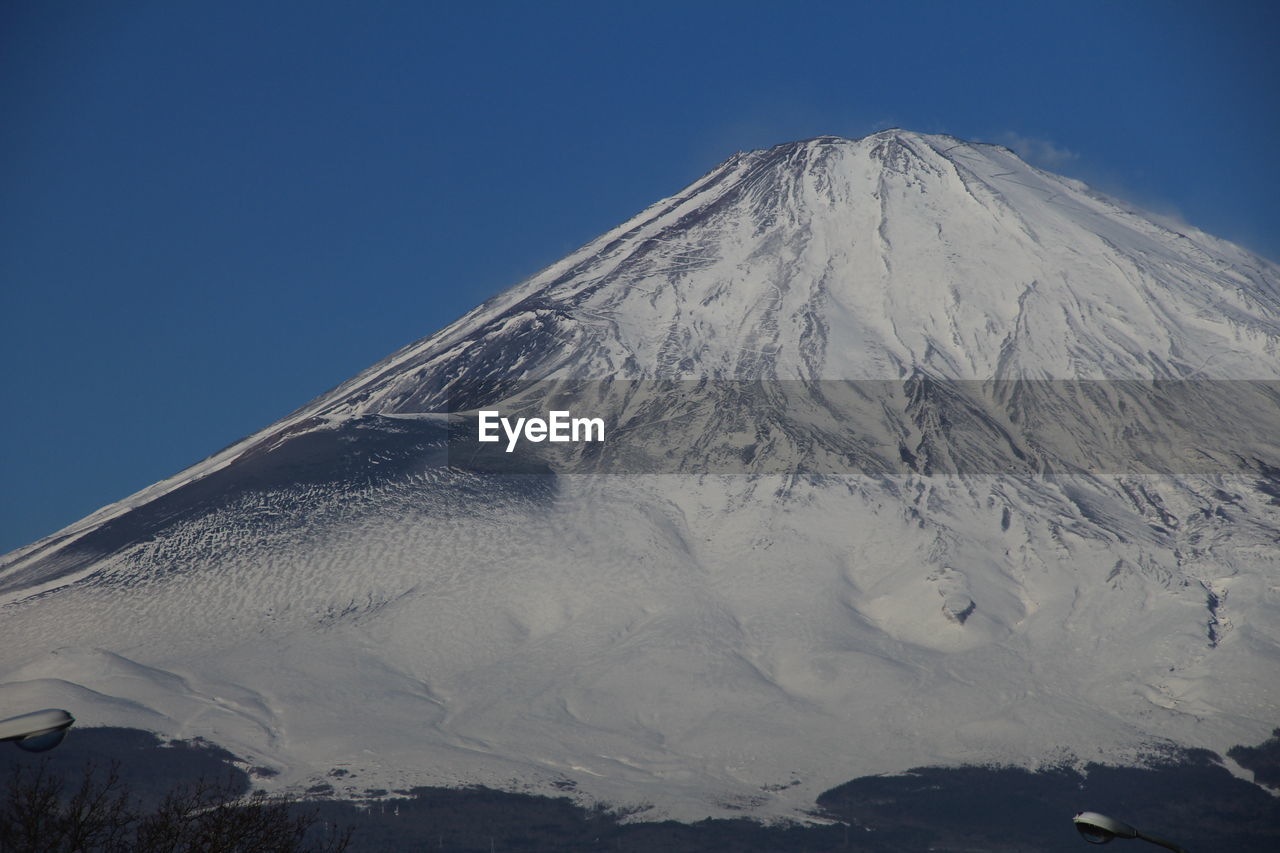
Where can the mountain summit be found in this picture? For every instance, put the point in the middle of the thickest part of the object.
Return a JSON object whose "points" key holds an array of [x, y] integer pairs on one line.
{"points": [[912, 454], [863, 259]]}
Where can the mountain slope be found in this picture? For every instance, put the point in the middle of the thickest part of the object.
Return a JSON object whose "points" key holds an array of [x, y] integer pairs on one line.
{"points": [[915, 454]]}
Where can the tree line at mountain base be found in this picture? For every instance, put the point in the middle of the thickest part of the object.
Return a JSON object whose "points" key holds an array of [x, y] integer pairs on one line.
{"points": [[43, 811], [1187, 795]]}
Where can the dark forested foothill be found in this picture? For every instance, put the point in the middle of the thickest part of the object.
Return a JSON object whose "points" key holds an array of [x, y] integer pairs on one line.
{"points": [[174, 798], [1263, 760], [1184, 795]]}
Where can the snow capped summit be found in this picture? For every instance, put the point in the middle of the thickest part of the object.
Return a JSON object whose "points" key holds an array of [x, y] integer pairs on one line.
{"points": [[914, 454], [862, 259]]}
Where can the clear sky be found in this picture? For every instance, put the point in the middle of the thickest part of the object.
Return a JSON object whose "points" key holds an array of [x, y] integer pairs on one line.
{"points": [[212, 212]]}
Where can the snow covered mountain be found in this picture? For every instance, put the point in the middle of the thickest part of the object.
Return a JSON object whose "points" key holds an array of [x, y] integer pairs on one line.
{"points": [[913, 454]]}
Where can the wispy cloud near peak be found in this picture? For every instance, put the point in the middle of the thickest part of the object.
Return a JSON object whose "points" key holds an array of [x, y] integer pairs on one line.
{"points": [[1038, 152]]}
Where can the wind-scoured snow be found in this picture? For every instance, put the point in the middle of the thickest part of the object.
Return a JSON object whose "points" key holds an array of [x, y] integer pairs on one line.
{"points": [[1084, 572]]}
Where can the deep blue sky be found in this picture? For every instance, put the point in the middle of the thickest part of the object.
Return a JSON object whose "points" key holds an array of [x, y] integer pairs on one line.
{"points": [[213, 212]]}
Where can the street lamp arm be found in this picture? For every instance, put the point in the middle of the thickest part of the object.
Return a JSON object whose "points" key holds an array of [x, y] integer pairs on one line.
{"points": [[1168, 845]]}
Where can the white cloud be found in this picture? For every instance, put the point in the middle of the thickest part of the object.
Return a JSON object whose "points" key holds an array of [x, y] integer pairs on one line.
{"points": [[884, 124], [1039, 152]]}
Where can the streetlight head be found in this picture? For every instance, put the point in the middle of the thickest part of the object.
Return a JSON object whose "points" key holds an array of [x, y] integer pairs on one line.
{"points": [[41, 743], [38, 731], [1099, 829]]}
